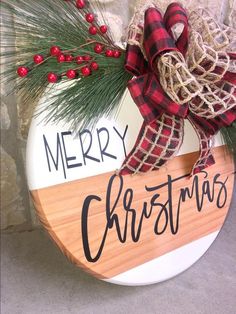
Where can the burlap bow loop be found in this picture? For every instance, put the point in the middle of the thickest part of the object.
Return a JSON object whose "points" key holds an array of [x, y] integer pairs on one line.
{"points": [[213, 68], [178, 77], [211, 31], [146, 89], [215, 100], [204, 62]]}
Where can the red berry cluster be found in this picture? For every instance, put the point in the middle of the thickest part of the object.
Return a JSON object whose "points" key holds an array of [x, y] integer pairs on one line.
{"points": [[85, 70], [99, 48], [87, 65], [93, 30]]}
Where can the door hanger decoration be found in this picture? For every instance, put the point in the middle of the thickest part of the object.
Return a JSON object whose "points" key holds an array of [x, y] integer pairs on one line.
{"points": [[123, 171]]}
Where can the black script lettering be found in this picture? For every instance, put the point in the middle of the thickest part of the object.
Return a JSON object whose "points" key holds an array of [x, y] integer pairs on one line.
{"points": [[86, 152], [186, 193], [166, 208], [84, 229], [163, 211], [127, 204], [103, 149], [167, 214], [59, 155], [68, 159], [122, 137], [222, 195], [90, 145], [112, 218], [110, 215], [207, 191]]}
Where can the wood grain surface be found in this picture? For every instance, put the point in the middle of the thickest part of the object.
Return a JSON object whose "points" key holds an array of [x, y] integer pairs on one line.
{"points": [[60, 211]]}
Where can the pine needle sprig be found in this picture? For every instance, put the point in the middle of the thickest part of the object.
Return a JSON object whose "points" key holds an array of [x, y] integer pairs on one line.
{"points": [[82, 103], [229, 135], [37, 26]]}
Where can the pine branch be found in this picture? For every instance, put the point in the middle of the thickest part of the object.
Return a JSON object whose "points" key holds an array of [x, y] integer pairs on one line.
{"points": [[38, 25], [84, 101], [229, 134]]}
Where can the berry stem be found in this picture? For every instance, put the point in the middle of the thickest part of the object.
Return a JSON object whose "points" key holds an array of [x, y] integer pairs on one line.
{"points": [[90, 42], [46, 59], [79, 67]]}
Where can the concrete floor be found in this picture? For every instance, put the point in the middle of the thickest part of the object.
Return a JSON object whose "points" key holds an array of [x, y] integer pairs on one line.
{"points": [[38, 279]]}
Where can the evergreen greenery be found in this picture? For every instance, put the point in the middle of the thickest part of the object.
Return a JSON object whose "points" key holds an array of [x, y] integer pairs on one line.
{"points": [[229, 134], [38, 25]]}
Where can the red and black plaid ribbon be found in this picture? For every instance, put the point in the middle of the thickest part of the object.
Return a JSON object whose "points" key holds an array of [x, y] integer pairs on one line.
{"points": [[153, 102]]}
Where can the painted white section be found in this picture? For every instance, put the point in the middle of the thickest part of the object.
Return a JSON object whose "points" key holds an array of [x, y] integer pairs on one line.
{"points": [[166, 266], [38, 173]]}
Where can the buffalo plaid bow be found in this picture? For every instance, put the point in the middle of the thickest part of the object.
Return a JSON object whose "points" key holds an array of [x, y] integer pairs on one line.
{"points": [[162, 132]]}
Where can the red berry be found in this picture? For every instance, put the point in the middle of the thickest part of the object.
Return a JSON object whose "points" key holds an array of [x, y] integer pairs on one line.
{"points": [[61, 58], [79, 59], [55, 51], [22, 71], [85, 71], [103, 29], [109, 53], [80, 4], [69, 58], [98, 48], [89, 17], [71, 74], [52, 77], [93, 30], [87, 57], [116, 54], [38, 59], [94, 66]]}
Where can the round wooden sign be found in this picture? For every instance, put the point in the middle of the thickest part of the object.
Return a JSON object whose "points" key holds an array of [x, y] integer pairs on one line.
{"points": [[130, 230]]}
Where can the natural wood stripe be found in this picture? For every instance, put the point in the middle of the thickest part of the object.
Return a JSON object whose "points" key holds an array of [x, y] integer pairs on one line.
{"points": [[59, 209]]}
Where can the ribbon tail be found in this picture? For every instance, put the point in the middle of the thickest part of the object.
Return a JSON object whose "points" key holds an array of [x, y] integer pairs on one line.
{"points": [[206, 129], [136, 87], [157, 143], [205, 158]]}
